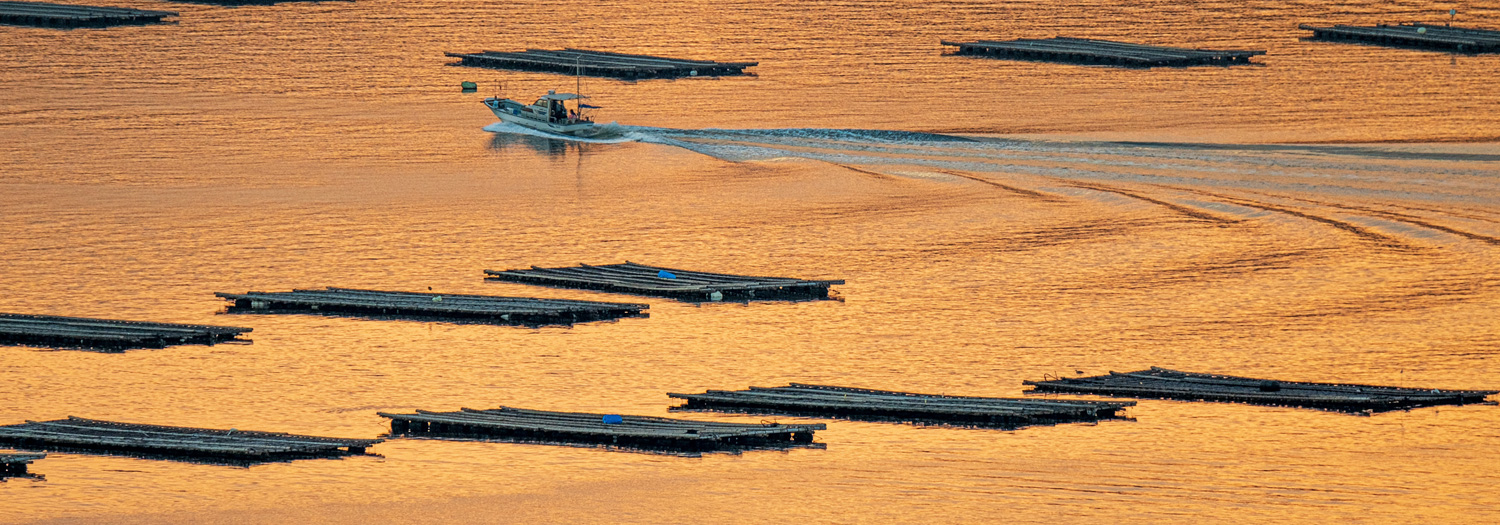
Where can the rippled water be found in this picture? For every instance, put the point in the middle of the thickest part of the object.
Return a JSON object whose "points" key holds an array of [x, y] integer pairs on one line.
{"points": [[1330, 214]]}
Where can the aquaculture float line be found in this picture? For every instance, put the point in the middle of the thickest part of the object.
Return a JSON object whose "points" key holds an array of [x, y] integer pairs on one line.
{"points": [[643, 432], [886, 405], [1102, 52], [1172, 384], [15, 464], [484, 308], [90, 435], [107, 334], [599, 64], [68, 16], [684, 285], [1422, 36]]}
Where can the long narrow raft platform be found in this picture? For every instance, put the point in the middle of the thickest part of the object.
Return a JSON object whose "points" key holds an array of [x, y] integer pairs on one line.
{"points": [[884, 405], [485, 308], [599, 64], [639, 279], [15, 464], [106, 334], [1088, 51], [41, 14], [1423, 36], [89, 435], [1171, 384], [641, 432]]}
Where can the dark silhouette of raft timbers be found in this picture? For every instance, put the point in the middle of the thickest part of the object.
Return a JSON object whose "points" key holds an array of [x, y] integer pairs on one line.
{"points": [[1088, 51], [640, 279], [599, 64], [106, 334], [1420, 36], [482, 308], [641, 432], [88, 435], [15, 464], [884, 405], [1162, 383], [41, 14]]}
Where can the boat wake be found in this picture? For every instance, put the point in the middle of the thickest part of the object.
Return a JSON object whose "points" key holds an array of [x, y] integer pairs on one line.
{"points": [[1402, 171], [611, 133]]}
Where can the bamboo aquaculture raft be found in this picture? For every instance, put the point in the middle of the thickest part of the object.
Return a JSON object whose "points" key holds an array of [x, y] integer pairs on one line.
{"points": [[106, 334], [15, 464], [1105, 52], [884, 405], [599, 64], [642, 432], [66, 16], [640, 279], [480, 308], [1423, 36], [89, 435], [1171, 384]]}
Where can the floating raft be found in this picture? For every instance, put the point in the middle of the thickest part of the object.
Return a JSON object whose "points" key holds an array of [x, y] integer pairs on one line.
{"points": [[626, 431], [89, 435], [42, 14], [1088, 51], [599, 64], [487, 308], [859, 403], [1424, 36], [106, 334], [1171, 384], [639, 279], [15, 464]]}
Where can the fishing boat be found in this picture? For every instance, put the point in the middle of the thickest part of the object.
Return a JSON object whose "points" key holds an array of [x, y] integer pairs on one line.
{"points": [[551, 113]]}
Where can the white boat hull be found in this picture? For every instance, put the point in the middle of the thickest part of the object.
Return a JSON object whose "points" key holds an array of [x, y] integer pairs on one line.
{"points": [[519, 117]]}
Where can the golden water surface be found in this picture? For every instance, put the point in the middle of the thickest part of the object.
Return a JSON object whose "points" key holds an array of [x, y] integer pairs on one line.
{"points": [[1331, 214]]}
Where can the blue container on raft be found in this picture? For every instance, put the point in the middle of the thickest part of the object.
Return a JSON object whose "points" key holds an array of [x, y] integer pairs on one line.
{"points": [[613, 419], [666, 274]]}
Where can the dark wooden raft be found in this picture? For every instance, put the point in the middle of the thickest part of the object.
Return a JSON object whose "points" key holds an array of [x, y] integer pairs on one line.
{"points": [[599, 63], [15, 464], [89, 435], [485, 308], [884, 405], [642, 432], [107, 334], [41, 14], [639, 279], [1089, 51], [1423, 36], [1171, 384]]}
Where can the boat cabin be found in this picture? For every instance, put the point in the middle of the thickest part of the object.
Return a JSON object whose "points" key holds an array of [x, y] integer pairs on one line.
{"points": [[554, 108]]}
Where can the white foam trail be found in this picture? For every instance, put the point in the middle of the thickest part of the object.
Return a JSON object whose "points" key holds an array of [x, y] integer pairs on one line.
{"points": [[618, 134]]}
